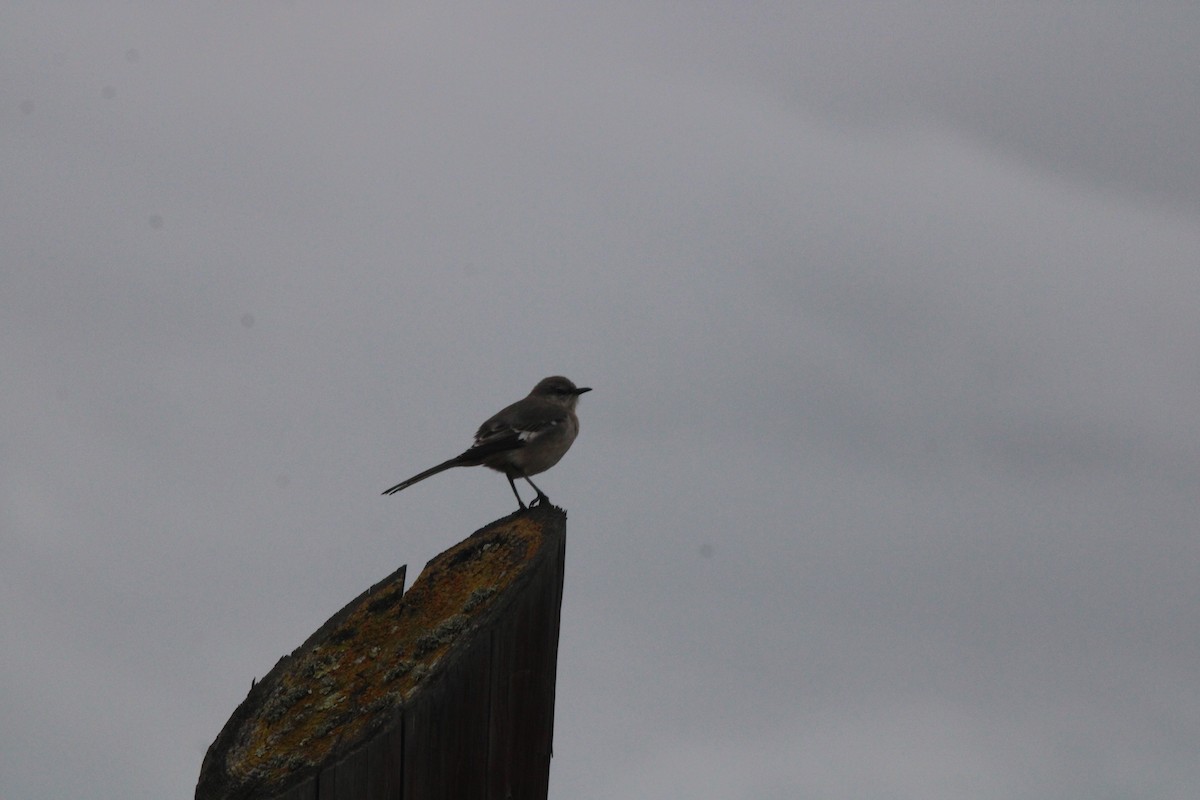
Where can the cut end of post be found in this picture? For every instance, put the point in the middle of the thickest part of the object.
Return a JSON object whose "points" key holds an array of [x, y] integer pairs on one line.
{"points": [[353, 681]]}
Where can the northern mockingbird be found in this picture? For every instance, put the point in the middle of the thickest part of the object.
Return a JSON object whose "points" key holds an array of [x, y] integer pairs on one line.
{"points": [[524, 439]]}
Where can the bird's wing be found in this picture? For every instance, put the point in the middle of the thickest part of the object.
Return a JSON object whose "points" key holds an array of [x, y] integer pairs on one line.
{"points": [[507, 431]]}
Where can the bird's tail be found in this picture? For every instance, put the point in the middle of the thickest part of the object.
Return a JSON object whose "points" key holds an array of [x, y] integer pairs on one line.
{"points": [[445, 465]]}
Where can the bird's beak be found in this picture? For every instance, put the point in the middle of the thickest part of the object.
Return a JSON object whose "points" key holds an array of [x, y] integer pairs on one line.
{"points": [[583, 389]]}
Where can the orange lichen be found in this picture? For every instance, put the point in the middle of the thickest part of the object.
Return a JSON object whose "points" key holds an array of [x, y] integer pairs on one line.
{"points": [[351, 681]]}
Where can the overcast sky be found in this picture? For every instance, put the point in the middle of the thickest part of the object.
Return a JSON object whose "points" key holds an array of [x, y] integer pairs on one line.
{"points": [[888, 487]]}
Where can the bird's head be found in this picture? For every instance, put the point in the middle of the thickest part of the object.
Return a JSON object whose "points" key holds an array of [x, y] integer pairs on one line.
{"points": [[558, 389]]}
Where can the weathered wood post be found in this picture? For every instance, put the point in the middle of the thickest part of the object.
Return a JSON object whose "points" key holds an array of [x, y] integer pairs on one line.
{"points": [[446, 691]]}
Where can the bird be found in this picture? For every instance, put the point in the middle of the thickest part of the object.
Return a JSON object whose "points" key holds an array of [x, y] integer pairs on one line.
{"points": [[523, 439]]}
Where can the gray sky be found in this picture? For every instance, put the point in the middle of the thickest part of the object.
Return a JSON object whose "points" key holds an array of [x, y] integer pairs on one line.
{"points": [[888, 485]]}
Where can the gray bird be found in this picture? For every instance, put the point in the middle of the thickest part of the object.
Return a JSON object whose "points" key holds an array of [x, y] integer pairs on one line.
{"points": [[526, 438]]}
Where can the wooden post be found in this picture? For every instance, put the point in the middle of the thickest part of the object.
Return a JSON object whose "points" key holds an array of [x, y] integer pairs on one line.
{"points": [[446, 691]]}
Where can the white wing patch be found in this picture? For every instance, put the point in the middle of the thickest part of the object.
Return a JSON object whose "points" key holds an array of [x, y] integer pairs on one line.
{"points": [[523, 436], [530, 434]]}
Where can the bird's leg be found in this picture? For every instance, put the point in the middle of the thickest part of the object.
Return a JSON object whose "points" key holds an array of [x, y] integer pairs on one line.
{"points": [[520, 502], [541, 498]]}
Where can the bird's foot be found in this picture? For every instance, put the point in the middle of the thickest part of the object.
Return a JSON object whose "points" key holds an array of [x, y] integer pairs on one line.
{"points": [[540, 500]]}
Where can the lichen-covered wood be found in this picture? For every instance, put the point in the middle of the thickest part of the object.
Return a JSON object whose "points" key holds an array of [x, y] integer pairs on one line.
{"points": [[444, 691]]}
